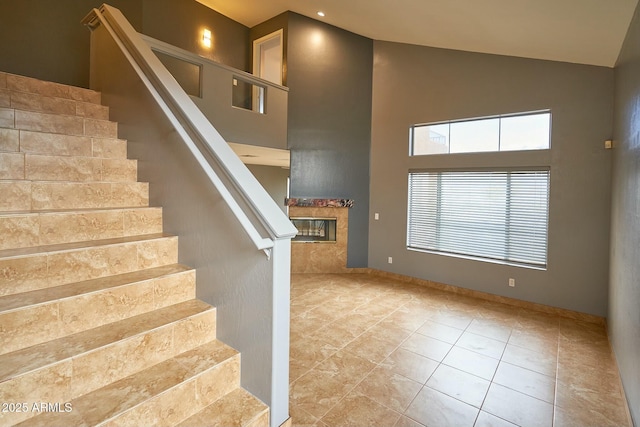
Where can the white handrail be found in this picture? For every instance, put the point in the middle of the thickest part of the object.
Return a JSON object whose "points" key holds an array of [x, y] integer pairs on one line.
{"points": [[197, 133]]}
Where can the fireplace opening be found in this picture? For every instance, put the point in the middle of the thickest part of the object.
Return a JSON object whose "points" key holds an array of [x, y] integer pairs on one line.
{"points": [[314, 230]]}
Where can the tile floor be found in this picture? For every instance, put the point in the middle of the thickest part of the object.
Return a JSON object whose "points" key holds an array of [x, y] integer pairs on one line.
{"points": [[368, 351]]}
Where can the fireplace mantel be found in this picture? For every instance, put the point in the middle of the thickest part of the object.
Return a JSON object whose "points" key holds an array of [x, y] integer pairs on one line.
{"points": [[318, 203]]}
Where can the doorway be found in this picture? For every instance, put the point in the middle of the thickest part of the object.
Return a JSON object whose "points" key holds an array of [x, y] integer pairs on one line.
{"points": [[267, 57]]}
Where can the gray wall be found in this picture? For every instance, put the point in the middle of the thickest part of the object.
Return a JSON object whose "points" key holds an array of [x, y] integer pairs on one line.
{"points": [[274, 180], [413, 84], [329, 80], [624, 285], [45, 39], [180, 23]]}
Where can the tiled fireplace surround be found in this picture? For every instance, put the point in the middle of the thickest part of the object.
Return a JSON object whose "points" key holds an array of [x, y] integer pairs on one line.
{"points": [[313, 257]]}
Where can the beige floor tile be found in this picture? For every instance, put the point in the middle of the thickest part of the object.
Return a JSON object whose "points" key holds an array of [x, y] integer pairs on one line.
{"points": [[406, 318], [310, 351], [540, 340], [542, 362], [452, 318], [301, 418], [411, 365], [427, 346], [525, 381], [592, 405], [372, 349], [491, 329], [432, 408], [517, 407], [441, 332], [471, 362], [389, 389], [460, 385], [359, 411], [506, 360], [350, 368], [483, 345], [485, 419], [407, 422], [316, 392]]}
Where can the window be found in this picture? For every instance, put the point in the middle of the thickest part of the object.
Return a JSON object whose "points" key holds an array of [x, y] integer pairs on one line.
{"points": [[525, 131], [493, 215]]}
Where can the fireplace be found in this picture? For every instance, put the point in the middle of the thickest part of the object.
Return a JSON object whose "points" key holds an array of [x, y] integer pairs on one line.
{"points": [[324, 222], [315, 230]]}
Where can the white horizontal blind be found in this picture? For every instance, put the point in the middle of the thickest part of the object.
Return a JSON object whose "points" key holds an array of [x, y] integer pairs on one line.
{"points": [[499, 215]]}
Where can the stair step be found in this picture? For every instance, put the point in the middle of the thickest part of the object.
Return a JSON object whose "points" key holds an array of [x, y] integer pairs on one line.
{"points": [[238, 408], [29, 269], [11, 118], [34, 317], [97, 317], [37, 167], [57, 90], [49, 104], [77, 365], [22, 230], [161, 395], [21, 195], [51, 144]]}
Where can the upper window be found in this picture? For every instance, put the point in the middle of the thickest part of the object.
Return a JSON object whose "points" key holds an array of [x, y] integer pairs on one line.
{"points": [[525, 131]]}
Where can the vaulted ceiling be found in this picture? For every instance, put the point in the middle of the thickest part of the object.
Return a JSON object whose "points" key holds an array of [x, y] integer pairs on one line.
{"points": [[578, 31]]}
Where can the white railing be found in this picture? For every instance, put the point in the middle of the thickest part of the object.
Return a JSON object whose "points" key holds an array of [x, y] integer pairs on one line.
{"points": [[267, 227], [195, 128], [219, 91]]}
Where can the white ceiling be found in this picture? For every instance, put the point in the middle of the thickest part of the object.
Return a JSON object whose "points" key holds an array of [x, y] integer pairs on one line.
{"points": [[578, 31], [255, 155]]}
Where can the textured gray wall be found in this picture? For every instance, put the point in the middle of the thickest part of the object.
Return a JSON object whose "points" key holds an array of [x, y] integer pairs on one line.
{"points": [[413, 84], [180, 22], [329, 79], [45, 39], [624, 286], [274, 180]]}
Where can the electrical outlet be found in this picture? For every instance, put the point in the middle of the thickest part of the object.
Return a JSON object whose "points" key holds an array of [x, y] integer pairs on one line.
{"points": [[512, 283], [390, 260]]}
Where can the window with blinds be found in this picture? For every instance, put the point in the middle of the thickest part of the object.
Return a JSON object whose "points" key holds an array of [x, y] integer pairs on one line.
{"points": [[495, 215]]}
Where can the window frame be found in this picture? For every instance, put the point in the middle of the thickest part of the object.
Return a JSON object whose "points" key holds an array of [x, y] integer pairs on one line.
{"points": [[413, 127]]}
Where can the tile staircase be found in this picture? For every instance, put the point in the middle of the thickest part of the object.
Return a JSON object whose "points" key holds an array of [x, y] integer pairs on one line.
{"points": [[99, 324]]}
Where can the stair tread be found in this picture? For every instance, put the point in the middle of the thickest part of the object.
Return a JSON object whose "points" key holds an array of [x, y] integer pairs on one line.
{"points": [[237, 408], [40, 355], [42, 296], [50, 182], [62, 247], [49, 143], [107, 402], [74, 210], [19, 83]]}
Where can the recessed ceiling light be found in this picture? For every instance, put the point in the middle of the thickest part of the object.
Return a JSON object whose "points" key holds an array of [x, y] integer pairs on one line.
{"points": [[320, 13]]}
